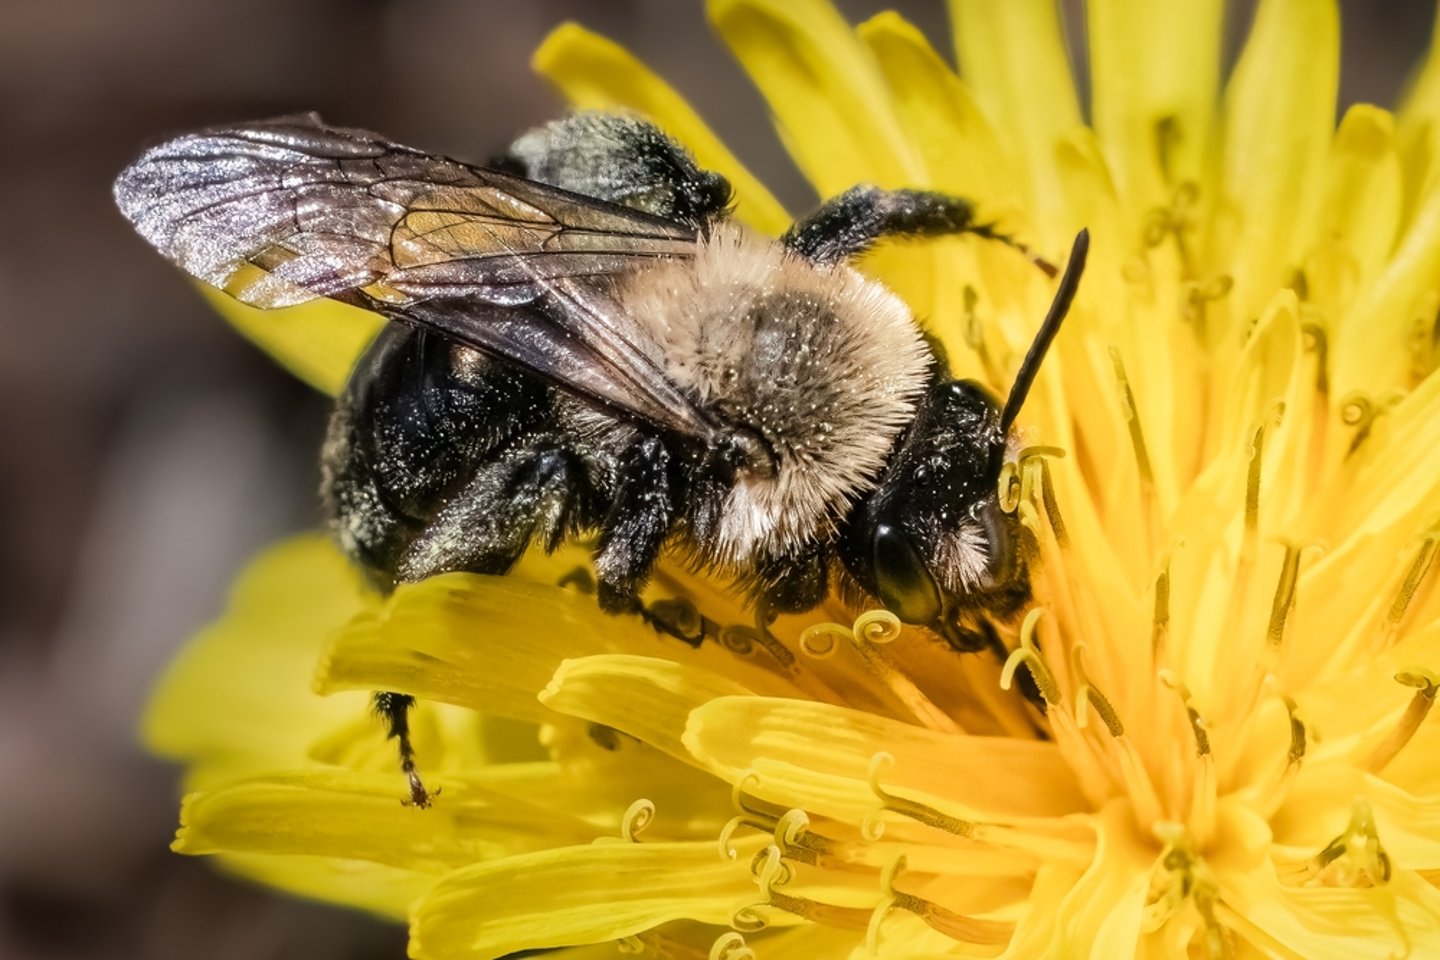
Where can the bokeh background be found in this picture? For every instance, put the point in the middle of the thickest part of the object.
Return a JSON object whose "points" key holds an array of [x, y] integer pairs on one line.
{"points": [[146, 451]]}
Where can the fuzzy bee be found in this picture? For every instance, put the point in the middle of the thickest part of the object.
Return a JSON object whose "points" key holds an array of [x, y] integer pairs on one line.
{"points": [[586, 345]]}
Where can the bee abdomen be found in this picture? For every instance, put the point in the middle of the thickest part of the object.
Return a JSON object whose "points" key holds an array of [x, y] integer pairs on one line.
{"points": [[417, 421]]}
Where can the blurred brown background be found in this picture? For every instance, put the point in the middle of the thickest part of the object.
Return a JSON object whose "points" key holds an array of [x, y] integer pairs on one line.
{"points": [[145, 450]]}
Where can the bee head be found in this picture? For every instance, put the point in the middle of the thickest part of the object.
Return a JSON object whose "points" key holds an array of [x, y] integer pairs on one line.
{"points": [[932, 541]]}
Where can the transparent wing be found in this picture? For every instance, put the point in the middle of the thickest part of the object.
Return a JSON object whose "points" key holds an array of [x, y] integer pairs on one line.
{"points": [[282, 211]]}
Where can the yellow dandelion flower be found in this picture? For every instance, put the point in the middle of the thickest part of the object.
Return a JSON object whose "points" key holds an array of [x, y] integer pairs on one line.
{"points": [[1232, 475]]}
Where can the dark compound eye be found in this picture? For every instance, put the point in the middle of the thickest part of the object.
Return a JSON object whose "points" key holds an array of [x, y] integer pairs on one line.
{"points": [[902, 580]]}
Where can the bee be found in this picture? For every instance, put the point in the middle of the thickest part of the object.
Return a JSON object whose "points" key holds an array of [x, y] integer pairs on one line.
{"points": [[585, 344]]}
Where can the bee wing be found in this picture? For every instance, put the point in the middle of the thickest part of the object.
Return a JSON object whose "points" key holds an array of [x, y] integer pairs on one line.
{"points": [[283, 211]]}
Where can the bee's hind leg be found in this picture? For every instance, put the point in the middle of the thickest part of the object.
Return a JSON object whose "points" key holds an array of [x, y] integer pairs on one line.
{"points": [[394, 708]]}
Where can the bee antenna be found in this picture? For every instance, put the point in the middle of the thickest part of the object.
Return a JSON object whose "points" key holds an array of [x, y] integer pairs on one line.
{"points": [[1030, 366]]}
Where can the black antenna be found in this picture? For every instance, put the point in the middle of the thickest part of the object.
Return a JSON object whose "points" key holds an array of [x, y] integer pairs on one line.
{"points": [[1030, 366]]}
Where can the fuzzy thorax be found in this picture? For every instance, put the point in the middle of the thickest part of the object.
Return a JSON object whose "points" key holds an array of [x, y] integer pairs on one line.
{"points": [[823, 364]]}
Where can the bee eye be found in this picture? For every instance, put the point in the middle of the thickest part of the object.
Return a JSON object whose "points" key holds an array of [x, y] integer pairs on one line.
{"points": [[902, 580]]}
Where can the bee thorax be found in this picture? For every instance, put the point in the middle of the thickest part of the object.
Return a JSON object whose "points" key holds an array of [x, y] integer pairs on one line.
{"points": [[817, 366]]}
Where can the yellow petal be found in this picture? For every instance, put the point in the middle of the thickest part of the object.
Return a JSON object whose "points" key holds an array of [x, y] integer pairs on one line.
{"points": [[372, 887], [1155, 69], [1012, 55], [1360, 209], [1397, 482], [648, 699], [1036, 933], [1401, 919], [1103, 910], [577, 895], [318, 342], [238, 697], [1318, 810], [961, 152], [827, 97], [837, 746], [1372, 349], [1419, 126], [1279, 118], [358, 816], [596, 73], [484, 642]]}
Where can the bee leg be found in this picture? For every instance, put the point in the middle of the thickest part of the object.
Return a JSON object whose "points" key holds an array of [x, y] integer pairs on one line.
{"points": [[848, 225], [793, 583], [641, 515], [394, 708], [483, 529]]}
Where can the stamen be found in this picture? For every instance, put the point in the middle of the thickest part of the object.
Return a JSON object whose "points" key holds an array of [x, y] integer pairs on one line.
{"points": [[872, 927], [737, 799], [1087, 695], [975, 337], [730, 946], [1198, 727], [1299, 282], [1132, 419], [637, 817], [954, 925], [769, 868], [790, 828], [911, 808], [738, 638], [1425, 683], [1181, 875], [1317, 341], [773, 874], [880, 627], [1019, 479], [1027, 654], [877, 626], [747, 919], [1356, 857], [1296, 754], [1009, 495], [1196, 297], [764, 616], [1278, 789], [797, 842], [1414, 577], [1360, 411], [1252, 491], [681, 619], [1284, 600], [1052, 506], [821, 641], [825, 914], [727, 849], [1169, 135], [893, 869], [1160, 618], [1175, 220], [1245, 563], [1204, 793]]}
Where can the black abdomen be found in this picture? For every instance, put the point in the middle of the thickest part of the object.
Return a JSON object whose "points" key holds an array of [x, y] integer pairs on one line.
{"points": [[419, 419]]}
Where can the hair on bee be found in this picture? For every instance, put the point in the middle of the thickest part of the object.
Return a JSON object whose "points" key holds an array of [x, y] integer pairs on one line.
{"points": [[586, 344]]}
